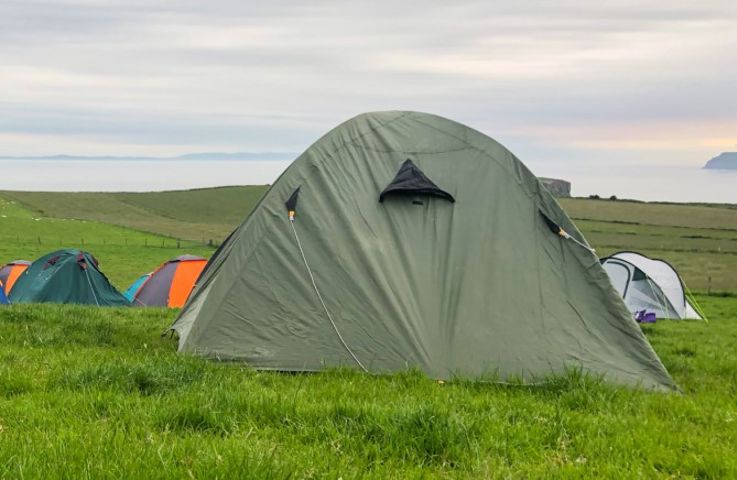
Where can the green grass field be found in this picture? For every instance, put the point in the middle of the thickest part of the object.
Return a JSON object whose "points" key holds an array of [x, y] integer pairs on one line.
{"points": [[98, 393], [700, 240], [124, 253], [197, 215]]}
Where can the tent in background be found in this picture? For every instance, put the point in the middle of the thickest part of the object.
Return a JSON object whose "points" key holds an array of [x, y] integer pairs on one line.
{"points": [[10, 272], [66, 276], [406, 240], [171, 283], [650, 284], [3, 298], [135, 286]]}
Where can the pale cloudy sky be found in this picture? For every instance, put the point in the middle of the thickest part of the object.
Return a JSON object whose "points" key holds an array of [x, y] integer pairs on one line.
{"points": [[555, 80]]}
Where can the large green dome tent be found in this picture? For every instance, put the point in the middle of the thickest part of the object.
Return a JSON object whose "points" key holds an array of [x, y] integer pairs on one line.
{"points": [[66, 276], [406, 240]]}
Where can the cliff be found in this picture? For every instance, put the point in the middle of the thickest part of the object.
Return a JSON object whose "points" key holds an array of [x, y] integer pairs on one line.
{"points": [[724, 161], [559, 188]]}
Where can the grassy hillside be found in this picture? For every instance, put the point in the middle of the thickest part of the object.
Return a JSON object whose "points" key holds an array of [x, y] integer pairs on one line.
{"points": [[700, 240], [97, 393], [668, 214], [196, 215], [124, 253]]}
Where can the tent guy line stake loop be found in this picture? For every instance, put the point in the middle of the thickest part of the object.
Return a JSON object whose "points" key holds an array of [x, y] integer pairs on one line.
{"points": [[319, 296], [568, 236]]}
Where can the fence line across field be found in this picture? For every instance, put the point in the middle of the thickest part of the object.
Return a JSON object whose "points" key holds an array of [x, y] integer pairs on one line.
{"points": [[117, 242]]}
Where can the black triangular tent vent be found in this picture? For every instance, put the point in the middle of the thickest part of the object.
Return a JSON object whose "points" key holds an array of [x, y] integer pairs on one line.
{"points": [[291, 202], [410, 180]]}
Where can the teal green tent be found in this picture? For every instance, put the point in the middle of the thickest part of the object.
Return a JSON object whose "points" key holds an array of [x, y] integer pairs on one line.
{"points": [[66, 276], [406, 240]]}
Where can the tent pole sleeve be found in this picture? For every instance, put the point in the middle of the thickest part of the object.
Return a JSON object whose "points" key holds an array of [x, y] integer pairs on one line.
{"points": [[87, 276]]}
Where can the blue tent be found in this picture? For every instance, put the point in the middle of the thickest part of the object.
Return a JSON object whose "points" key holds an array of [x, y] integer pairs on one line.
{"points": [[3, 298], [133, 289]]}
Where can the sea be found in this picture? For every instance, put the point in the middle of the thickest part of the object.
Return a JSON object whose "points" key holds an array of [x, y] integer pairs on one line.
{"points": [[649, 183]]}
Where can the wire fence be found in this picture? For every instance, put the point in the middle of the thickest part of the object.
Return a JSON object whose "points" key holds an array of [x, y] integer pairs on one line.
{"points": [[113, 242]]}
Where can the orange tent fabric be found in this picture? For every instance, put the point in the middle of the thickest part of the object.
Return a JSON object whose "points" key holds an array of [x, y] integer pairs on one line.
{"points": [[184, 278], [10, 272], [171, 283]]}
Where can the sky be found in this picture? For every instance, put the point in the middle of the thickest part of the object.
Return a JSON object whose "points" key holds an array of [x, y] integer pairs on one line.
{"points": [[559, 81]]}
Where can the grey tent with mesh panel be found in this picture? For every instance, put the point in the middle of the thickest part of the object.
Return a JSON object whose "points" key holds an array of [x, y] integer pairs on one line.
{"points": [[650, 284]]}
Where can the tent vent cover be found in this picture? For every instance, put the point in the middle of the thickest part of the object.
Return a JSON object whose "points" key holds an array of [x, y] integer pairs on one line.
{"points": [[410, 180]]}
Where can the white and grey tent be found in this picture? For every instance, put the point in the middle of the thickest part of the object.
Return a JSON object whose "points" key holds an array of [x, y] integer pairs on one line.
{"points": [[650, 284]]}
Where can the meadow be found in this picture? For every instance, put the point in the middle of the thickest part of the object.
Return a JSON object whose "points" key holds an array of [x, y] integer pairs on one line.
{"points": [[200, 215], [100, 393], [699, 240], [124, 253]]}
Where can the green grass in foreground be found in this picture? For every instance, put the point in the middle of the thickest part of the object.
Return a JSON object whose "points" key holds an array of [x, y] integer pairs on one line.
{"points": [[96, 393]]}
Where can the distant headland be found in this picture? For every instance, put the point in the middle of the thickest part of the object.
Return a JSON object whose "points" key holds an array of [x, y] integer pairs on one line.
{"points": [[723, 161], [559, 188]]}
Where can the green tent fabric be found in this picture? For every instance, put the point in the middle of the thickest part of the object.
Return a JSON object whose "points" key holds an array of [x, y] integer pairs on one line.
{"points": [[66, 276], [467, 267]]}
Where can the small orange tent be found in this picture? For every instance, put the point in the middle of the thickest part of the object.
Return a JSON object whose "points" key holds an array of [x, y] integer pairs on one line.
{"points": [[10, 272], [170, 284]]}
